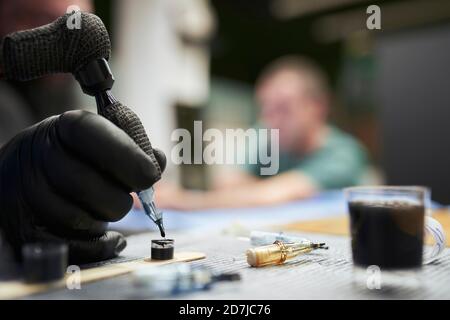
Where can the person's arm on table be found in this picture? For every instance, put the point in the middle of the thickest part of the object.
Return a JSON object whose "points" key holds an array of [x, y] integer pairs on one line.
{"points": [[233, 178], [285, 187], [335, 167]]}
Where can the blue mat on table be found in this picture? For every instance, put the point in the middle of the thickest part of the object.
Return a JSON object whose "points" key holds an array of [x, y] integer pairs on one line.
{"points": [[326, 204]]}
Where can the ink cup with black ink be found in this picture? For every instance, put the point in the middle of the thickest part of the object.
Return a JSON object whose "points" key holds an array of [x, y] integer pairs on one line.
{"points": [[388, 225], [162, 249], [44, 262]]}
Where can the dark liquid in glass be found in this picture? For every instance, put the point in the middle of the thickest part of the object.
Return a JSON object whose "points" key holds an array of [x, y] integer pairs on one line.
{"points": [[388, 234]]}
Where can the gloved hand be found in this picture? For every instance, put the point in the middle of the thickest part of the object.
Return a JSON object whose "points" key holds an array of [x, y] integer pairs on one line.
{"points": [[65, 178]]}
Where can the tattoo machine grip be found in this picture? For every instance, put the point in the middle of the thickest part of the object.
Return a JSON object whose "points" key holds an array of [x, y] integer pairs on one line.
{"points": [[128, 121]]}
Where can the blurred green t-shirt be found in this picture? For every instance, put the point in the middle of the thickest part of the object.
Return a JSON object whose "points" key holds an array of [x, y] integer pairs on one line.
{"points": [[339, 163]]}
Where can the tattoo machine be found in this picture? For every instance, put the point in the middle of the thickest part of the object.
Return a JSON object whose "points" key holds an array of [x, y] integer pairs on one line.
{"points": [[61, 47]]}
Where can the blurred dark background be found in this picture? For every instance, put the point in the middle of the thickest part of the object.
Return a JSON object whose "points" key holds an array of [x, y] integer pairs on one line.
{"points": [[390, 85]]}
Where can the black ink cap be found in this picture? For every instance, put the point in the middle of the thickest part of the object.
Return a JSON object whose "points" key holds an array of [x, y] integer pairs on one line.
{"points": [[162, 249], [44, 262]]}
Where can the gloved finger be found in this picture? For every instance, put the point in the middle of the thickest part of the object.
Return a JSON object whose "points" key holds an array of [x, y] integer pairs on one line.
{"points": [[101, 143], [161, 158], [106, 247], [65, 218], [50, 208], [58, 213], [100, 196]]}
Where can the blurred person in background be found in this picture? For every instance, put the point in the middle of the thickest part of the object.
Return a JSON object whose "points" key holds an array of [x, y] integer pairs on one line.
{"points": [[25, 103], [294, 97]]}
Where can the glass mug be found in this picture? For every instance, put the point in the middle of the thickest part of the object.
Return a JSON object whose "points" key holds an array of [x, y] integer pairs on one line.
{"points": [[387, 227]]}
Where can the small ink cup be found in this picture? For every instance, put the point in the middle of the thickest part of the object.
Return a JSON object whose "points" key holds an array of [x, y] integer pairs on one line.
{"points": [[162, 249], [44, 262]]}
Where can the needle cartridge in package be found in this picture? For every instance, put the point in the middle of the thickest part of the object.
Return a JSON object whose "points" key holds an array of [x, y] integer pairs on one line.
{"points": [[279, 252]]}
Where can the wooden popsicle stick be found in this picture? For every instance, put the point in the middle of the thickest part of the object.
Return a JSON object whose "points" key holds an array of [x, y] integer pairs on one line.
{"points": [[17, 289]]}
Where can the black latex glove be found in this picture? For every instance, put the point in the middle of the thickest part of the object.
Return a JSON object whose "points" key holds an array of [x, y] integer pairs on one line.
{"points": [[65, 178]]}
